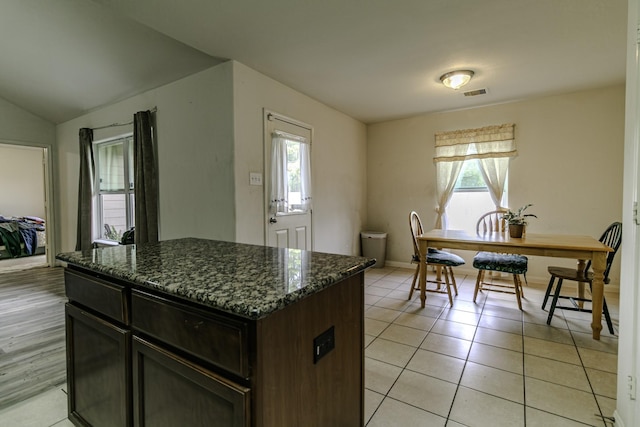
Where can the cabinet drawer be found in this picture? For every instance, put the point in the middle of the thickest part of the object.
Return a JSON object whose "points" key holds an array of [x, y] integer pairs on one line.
{"points": [[104, 297], [171, 391], [215, 339]]}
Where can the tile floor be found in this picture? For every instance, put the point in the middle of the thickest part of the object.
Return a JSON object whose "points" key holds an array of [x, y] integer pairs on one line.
{"points": [[484, 364], [48, 409]]}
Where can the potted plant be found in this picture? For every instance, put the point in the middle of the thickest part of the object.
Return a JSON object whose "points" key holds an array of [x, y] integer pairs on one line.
{"points": [[517, 220]]}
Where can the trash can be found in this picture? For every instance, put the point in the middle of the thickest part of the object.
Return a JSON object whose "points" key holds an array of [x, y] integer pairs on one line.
{"points": [[374, 245]]}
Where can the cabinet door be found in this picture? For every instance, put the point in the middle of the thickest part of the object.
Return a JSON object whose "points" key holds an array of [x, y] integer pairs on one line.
{"points": [[171, 391], [98, 370]]}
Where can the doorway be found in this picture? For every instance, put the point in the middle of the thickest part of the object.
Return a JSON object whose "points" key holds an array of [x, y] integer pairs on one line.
{"points": [[23, 206], [288, 189]]}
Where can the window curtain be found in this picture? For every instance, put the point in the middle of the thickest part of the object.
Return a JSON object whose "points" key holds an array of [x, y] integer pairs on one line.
{"points": [[305, 175], [145, 183], [494, 172], [279, 197], [85, 190], [493, 146], [279, 182]]}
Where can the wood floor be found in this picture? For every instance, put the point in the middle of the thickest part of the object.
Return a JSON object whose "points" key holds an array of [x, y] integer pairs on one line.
{"points": [[32, 344]]}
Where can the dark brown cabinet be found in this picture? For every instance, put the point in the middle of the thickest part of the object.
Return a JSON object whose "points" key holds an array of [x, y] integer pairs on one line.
{"points": [[142, 357], [98, 370]]}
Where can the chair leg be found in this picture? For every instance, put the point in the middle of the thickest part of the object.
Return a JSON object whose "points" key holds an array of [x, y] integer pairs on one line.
{"points": [[478, 282], [554, 301], [453, 280], [448, 285], [607, 316], [413, 283], [518, 287], [548, 292]]}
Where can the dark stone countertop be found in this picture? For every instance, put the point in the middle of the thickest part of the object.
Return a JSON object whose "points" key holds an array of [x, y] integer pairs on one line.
{"points": [[246, 280]]}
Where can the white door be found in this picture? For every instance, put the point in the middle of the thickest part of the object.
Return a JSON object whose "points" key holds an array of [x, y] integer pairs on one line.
{"points": [[288, 182]]}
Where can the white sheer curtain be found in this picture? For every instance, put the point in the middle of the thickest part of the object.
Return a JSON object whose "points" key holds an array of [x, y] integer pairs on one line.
{"points": [[493, 146], [290, 178], [278, 201], [494, 172], [305, 175], [447, 175]]}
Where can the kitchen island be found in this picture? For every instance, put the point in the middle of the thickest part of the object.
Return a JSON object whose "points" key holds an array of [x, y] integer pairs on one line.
{"points": [[200, 332]]}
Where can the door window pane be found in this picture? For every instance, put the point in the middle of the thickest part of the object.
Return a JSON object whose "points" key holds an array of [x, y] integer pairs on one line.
{"points": [[293, 175], [290, 175]]}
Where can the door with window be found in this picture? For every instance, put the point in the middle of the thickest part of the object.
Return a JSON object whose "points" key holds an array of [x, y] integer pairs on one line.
{"points": [[288, 182]]}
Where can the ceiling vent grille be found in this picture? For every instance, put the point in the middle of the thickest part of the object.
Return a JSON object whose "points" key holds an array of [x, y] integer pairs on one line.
{"points": [[476, 92]]}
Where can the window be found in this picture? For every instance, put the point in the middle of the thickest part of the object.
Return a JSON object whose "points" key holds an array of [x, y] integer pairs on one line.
{"points": [[487, 150], [470, 198], [114, 171], [291, 175]]}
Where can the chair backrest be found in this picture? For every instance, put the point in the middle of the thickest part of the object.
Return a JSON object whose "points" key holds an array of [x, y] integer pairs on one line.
{"points": [[611, 237], [492, 222], [416, 229]]}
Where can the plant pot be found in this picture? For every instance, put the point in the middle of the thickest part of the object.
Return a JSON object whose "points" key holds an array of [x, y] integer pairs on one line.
{"points": [[516, 230]]}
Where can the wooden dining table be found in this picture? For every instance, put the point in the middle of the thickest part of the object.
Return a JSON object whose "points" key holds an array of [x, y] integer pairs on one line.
{"points": [[580, 248]]}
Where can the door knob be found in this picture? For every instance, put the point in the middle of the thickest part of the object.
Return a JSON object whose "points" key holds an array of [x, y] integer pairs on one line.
{"points": [[273, 220]]}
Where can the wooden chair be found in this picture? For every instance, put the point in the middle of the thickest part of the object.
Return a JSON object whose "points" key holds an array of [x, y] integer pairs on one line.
{"points": [[445, 260], [493, 222], [611, 237]]}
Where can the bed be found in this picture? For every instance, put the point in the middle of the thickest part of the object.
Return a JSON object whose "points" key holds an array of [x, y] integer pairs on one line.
{"points": [[22, 236]]}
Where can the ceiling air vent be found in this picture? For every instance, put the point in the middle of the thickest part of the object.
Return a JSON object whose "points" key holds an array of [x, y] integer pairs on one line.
{"points": [[475, 92]]}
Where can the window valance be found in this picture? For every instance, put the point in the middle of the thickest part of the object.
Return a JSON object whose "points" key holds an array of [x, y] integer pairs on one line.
{"points": [[486, 142]]}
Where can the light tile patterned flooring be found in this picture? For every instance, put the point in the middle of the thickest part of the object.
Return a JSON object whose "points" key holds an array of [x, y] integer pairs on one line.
{"points": [[484, 364], [48, 409]]}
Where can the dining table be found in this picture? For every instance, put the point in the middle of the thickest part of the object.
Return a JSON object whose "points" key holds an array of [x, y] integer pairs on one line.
{"points": [[578, 247]]}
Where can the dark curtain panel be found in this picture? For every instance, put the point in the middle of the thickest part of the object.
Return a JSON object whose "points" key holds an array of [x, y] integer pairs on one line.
{"points": [[85, 190], [145, 182]]}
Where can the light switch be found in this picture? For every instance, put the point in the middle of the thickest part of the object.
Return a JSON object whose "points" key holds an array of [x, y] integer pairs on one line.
{"points": [[255, 178]]}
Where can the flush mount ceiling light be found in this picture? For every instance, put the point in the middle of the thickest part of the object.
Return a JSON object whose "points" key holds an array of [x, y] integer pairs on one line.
{"points": [[456, 79]]}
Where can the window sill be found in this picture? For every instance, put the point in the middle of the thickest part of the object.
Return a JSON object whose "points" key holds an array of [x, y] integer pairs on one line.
{"points": [[104, 242]]}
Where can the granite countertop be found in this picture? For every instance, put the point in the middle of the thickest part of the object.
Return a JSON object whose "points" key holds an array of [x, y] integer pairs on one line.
{"points": [[247, 280]]}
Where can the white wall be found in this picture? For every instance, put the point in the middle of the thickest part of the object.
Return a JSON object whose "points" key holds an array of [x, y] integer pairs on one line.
{"points": [[210, 136], [569, 165], [22, 181], [195, 155], [22, 128], [18, 126], [338, 162]]}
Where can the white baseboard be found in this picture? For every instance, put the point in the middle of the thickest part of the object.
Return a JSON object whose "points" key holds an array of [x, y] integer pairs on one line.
{"points": [[618, 422], [399, 264], [470, 271]]}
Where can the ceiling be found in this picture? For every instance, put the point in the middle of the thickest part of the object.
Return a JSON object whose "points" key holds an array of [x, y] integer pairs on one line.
{"points": [[374, 60]]}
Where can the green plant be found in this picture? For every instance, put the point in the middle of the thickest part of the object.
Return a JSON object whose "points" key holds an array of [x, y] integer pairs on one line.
{"points": [[111, 233], [518, 217]]}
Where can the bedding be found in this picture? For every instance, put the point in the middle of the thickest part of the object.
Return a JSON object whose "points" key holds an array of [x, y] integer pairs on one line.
{"points": [[21, 236]]}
